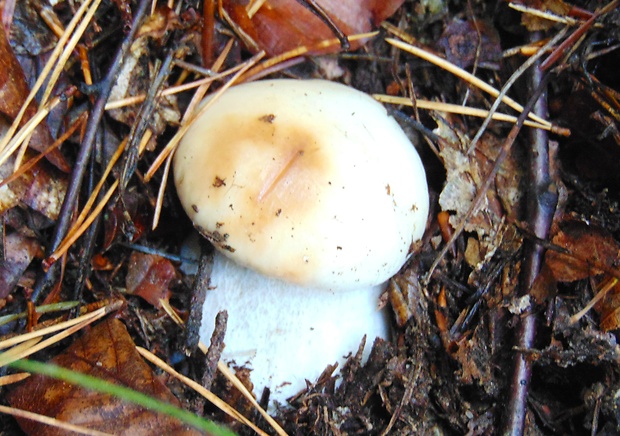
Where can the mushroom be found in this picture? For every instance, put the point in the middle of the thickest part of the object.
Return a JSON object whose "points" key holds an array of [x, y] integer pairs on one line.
{"points": [[314, 197]]}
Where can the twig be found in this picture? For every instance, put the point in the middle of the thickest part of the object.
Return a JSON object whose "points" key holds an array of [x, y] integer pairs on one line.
{"points": [[199, 294], [216, 346], [542, 200], [79, 169], [144, 119], [88, 244]]}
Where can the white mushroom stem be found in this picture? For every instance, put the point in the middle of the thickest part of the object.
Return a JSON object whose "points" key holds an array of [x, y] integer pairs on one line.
{"points": [[288, 333]]}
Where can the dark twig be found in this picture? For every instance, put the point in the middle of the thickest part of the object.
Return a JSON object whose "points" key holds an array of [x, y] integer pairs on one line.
{"points": [[314, 7], [216, 347], [144, 117], [88, 242], [542, 200], [199, 293], [81, 163]]}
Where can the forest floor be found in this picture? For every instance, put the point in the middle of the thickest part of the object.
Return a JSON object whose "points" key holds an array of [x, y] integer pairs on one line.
{"points": [[504, 320]]}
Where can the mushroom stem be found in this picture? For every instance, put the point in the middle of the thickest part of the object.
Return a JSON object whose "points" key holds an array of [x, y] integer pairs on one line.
{"points": [[287, 333]]}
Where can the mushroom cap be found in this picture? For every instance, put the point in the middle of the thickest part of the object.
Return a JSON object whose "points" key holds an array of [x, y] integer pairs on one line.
{"points": [[308, 181]]}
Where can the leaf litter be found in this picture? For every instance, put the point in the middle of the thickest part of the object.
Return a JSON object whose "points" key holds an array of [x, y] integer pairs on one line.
{"points": [[448, 366]]}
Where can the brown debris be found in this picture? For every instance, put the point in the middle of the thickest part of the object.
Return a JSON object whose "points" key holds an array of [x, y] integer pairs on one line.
{"points": [[13, 93], [448, 365], [107, 352]]}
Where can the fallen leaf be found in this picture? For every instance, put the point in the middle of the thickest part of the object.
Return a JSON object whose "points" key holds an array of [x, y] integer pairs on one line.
{"points": [[609, 309], [129, 218], [106, 352], [283, 25], [467, 42], [149, 277], [18, 253], [588, 248], [42, 188], [465, 175], [137, 74], [13, 93], [534, 23]]}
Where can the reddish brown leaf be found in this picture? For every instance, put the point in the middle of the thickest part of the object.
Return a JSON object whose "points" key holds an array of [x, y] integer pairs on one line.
{"points": [[545, 285], [99, 262], [106, 352], [283, 25], [589, 248], [149, 276]]}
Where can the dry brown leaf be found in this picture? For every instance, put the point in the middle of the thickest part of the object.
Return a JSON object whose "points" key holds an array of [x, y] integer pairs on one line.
{"points": [[130, 218], [149, 277], [609, 309], [589, 248], [106, 352], [534, 23], [545, 285], [283, 25]]}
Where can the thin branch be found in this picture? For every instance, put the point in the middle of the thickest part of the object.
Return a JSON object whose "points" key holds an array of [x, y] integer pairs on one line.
{"points": [[541, 203]]}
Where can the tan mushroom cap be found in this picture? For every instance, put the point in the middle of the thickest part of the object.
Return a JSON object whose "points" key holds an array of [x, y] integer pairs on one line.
{"points": [[307, 181]]}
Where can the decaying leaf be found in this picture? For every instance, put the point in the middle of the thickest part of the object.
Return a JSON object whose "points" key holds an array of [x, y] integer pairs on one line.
{"points": [[42, 188], [18, 253], [138, 72], [609, 308], [282, 25], [13, 93], [465, 174], [588, 248], [129, 218], [105, 352], [149, 276], [474, 356], [589, 252], [469, 42]]}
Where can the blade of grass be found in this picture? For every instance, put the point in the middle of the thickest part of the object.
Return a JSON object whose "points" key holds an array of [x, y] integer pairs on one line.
{"points": [[55, 307]]}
